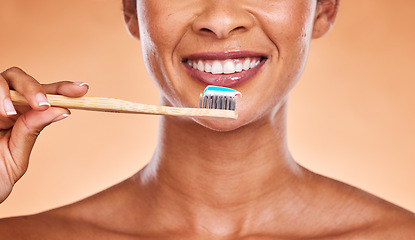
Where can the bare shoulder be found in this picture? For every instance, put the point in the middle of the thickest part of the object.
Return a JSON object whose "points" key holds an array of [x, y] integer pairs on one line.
{"points": [[391, 222], [39, 226], [390, 227], [92, 218], [358, 214], [400, 228]]}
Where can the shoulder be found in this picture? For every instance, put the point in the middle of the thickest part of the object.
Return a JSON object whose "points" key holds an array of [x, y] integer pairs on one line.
{"points": [[361, 215], [388, 228], [402, 228], [39, 226], [392, 222], [53, 225], [94, 216]]}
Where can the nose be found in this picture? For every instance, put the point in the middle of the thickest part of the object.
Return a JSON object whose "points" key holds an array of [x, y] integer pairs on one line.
{"points": [[222, 18]]}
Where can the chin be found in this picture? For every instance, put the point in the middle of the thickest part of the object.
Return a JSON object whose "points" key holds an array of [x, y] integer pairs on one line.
{"points": [[218, 125], [223, 125]]}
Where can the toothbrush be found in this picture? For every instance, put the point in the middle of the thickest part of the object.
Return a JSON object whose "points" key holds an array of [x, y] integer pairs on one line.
{"points": [[103, 104], [215, 97]]}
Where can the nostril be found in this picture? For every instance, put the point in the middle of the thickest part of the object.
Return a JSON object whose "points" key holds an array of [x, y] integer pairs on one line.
{"points": [[220, 22], [207, 30], [237, 29]]}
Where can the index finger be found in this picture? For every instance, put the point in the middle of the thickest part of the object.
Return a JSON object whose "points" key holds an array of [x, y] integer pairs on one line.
{"points": [[67, 88], [27, 86]]}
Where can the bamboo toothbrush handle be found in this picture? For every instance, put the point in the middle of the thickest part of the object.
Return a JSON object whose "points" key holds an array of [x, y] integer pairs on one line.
{"points": [[102, 104]]}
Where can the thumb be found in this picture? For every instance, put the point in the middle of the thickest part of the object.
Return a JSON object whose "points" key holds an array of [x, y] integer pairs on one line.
{"points": [[26, 130]]}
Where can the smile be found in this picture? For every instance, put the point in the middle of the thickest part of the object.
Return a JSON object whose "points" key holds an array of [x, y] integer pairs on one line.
{"points": [[227, 69], [228, 66]]}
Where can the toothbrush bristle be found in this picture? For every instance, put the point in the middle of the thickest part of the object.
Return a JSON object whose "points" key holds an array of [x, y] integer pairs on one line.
{"points": [[215, 97]]}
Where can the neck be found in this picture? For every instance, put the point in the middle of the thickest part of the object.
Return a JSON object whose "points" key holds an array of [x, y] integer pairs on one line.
{"points": [[199, 168]]}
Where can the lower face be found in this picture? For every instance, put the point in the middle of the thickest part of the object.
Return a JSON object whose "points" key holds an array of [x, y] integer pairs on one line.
{"points": [[256, 47]]}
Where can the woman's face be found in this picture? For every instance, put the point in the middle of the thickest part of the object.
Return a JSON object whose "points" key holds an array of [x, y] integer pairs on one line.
{"points": [[258, 47]]}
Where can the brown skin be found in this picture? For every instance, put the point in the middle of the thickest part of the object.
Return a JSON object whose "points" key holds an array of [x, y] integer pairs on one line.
{"points": [[237, 183]]}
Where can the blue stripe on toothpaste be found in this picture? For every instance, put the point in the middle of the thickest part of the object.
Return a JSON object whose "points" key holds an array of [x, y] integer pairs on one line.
{"points": [[220, 91]]}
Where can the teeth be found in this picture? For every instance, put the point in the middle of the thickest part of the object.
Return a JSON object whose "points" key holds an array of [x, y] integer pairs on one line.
{"points": [[238, 67], [229, 67], [200, 66], [224, 66], [246, 64], [217, 68], [208, 68]]}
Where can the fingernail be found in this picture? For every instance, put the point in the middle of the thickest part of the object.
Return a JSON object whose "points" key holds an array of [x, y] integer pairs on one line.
{"points": [[8, 107], [63, 116], [81, 84], [42, 100]]}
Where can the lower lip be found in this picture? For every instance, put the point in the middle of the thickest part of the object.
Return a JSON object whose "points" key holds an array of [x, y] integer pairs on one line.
{"points": [[224, 80]]}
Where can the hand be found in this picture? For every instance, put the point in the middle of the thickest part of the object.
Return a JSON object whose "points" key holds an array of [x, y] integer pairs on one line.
{"points": [[20, 125]]}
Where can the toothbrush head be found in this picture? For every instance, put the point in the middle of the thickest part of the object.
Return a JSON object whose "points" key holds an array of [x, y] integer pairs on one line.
{"points": [[215, 97]]}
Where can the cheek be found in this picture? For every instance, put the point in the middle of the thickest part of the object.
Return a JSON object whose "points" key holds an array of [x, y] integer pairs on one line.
{"points": [[290, 28], [162, 25], [154, 40]]}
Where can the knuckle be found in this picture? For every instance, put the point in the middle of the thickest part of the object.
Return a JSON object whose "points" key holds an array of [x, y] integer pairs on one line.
{"points": [[13, 70], [33, 131]]}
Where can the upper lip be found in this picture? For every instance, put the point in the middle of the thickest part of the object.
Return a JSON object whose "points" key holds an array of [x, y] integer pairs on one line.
{"points": [[231, 54]]}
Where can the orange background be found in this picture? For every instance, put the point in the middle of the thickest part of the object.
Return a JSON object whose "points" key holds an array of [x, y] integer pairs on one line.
{"points": [[351, 116]]}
